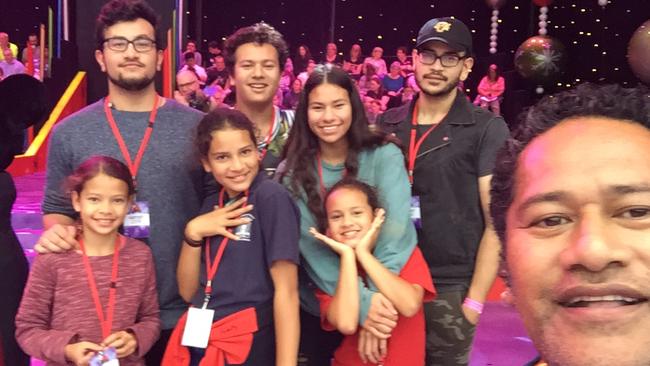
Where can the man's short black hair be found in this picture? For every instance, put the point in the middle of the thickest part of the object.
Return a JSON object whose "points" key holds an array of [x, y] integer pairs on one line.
{"points": [[188, 56], [259, 33], [213, 44], [116, 11], [586, 100]]}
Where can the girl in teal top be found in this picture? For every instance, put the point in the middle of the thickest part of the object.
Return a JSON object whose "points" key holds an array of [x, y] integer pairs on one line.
{"points": [[331, 139]]}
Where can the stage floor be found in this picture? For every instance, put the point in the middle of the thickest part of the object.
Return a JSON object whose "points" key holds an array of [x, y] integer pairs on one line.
{"points": [[500, 338]]}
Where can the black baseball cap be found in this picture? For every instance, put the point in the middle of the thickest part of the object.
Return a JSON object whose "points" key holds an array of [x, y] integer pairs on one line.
{"points": [[450, 31]]}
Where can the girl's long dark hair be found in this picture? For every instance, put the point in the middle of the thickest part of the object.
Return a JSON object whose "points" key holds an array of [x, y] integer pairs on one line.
{"points": [[302, 146]]}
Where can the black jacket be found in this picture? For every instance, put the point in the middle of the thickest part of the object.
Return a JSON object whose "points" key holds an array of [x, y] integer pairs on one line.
{"points": [[456, 153]]}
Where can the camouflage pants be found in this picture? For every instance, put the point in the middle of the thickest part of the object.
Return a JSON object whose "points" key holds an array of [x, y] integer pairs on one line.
{"points": [[449, 334]]}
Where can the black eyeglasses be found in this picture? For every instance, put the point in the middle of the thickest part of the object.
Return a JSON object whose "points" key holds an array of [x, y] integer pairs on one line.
{"points": [[120, 44], [446, 60]]}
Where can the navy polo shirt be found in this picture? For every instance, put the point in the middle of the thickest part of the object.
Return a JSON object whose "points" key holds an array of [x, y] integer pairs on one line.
{"points": [[243, 278]]}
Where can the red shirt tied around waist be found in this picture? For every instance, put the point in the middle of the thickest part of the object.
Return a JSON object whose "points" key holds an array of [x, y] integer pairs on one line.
{"points": [[238, 263], [407, 342], [354, 220]]}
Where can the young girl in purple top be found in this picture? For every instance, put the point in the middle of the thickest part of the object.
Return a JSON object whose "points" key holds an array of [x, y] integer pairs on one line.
{"points": [[99, 300]]}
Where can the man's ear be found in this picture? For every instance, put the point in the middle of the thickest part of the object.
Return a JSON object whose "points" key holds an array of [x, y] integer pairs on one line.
{"points": [[99, 57], [159, 59], [468, 63]]}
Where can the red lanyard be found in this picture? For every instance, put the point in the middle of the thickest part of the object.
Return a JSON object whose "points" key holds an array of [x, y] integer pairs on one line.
{"points": [[267, 140], [133, 165], [320, 176], [414, 146], [210, 267], [105, 322]]}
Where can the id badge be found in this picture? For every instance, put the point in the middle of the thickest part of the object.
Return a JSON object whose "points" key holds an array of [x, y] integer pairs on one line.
{"points": [[197, 328], [270, 172], [416, 215], [107, 357], [243, 231], [136, 223]]}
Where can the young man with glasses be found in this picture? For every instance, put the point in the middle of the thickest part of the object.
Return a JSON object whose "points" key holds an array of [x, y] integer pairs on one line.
{"points": [[167, 176], [451, 147]]}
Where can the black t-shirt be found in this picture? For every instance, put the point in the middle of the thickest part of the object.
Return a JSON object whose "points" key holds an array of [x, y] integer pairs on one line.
{"points": [[376, 95], [243, 278], [338, 61], [221, 77], [356, 66]]}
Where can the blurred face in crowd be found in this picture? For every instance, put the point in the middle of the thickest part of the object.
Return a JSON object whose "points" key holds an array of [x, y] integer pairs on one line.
{"points": [[191, 47], [331, 49], [310, 66], [32, 40], [374, 85], [355, 51], [401, 54], [577, 239], [395, 69], [214, 50], [191, 62], [187, 82], [219, 63], [288, 66], [4, 39], [296, 86], [377, 52], [9, 56]]}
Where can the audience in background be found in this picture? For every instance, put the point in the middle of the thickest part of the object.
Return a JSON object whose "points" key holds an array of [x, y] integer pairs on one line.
{"points": [[377, 92], [191, 65], [189, 91], [214, 50], [301, 60], [405, 62], [353, 64], [292, 96], [5, 44], [490, 90], [376, 61], [303, 76], [369, 72], [217, 74], [287, 77], [10, 65], [31, 56], [191, 47], [393, 83], [331, 56]]}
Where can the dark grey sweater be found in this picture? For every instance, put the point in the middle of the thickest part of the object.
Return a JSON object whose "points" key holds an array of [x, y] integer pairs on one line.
{"points": [[169, 179]]}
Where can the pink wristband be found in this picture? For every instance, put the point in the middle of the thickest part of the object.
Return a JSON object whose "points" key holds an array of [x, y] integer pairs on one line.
{"points": [[473, 304]]}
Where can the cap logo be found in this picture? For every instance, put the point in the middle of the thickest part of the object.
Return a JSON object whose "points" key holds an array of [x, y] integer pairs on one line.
{"points": [[442, 27]]}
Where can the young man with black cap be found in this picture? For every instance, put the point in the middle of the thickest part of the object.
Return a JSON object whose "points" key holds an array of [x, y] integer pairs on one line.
{"points": [[451, 148]]}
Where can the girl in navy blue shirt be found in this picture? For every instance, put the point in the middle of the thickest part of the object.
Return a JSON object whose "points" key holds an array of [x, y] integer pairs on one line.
{"points": [[238, 263]]}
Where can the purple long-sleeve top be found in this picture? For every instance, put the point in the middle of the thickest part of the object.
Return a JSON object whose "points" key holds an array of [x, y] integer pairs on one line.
{"points": [[57, 307]]}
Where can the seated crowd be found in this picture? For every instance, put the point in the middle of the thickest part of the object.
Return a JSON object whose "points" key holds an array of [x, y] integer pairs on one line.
{"points": [[380, 88]]}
